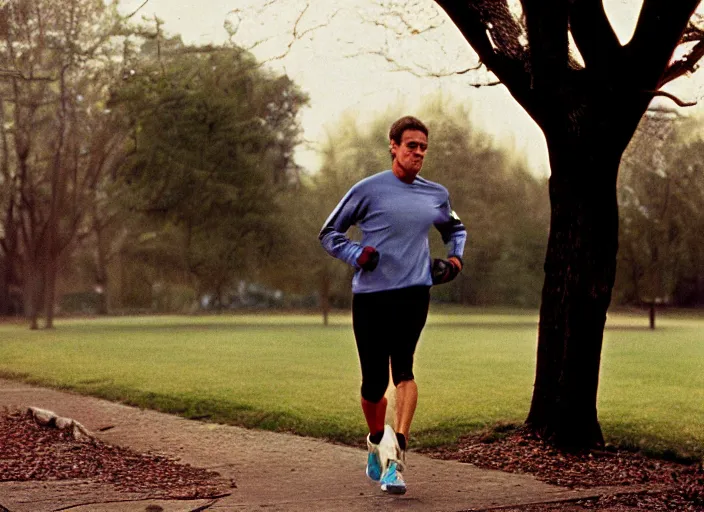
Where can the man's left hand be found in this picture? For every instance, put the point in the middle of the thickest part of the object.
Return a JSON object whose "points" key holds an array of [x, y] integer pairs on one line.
{"points": [[444, 271]]}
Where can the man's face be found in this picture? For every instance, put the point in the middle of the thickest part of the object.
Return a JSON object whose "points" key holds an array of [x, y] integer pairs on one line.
{"points": [[409, 154]]}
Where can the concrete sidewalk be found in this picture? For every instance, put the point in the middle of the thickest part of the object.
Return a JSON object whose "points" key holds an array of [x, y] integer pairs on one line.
{"points": [[273, 472]]}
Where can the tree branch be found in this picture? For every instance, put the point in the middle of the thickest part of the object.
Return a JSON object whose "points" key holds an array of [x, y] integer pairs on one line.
{"points": [[547, 22], [592, 32], [692, 32], [136, 10], [660, 27], [489, 28], [417, 69], [296, 34], [687, 64], [674, 98]]}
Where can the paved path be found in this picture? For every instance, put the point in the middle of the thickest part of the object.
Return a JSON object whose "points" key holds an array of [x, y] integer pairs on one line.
{"points": [[273, 472]]}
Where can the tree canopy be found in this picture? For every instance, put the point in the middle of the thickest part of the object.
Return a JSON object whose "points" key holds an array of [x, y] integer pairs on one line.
{"points": [[213, 136]]}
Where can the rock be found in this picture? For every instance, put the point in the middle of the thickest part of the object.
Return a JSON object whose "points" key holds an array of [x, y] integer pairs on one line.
{"points": [[63, 423], [42, 416], [50, 419]]}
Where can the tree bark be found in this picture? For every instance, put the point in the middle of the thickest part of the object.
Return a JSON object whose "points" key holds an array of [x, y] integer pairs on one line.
{"points": [[101, 270], [580, 269], [50, 292], [5, 279], [651, 314], [33, 293], [325, 293]]}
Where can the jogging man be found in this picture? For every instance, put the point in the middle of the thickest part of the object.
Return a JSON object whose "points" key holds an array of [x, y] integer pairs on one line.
{"points": [[394, 209]]}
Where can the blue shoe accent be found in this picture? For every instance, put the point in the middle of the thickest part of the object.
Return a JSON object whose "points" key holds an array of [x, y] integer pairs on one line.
{"points": [[392, 481], [373, 466]]}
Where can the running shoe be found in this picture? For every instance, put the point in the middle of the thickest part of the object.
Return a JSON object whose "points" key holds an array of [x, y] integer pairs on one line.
{"points": [[392, 480], [373, 461], [390, 451]]}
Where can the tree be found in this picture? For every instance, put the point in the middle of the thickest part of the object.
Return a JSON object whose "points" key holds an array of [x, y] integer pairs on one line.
{"points": [[213, 138], [660, 190], [58, 137], [9, 227], [588, 107]]}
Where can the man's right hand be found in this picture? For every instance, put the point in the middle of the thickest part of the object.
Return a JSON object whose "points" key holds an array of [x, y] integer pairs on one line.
{"points": [[369, 259]]}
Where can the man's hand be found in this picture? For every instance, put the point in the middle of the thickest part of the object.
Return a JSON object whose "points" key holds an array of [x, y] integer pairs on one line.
{"points": [[444, 271], [369, 259]]}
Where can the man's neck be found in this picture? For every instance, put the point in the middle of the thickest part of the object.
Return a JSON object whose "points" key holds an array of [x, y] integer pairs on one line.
{"points": [[402, 174]]}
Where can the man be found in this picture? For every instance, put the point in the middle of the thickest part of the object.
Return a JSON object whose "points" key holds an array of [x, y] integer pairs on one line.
{"points": [[394, 210]]}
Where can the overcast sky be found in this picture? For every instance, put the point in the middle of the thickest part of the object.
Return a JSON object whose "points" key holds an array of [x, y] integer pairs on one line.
{"points": [[335, 65]]}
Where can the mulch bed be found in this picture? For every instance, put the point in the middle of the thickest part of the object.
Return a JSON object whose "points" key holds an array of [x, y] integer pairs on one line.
{"points": [[673, 486], [29, 451]]}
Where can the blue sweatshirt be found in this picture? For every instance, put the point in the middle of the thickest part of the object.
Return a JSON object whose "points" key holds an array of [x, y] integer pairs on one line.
{"points": [[394, 218]]}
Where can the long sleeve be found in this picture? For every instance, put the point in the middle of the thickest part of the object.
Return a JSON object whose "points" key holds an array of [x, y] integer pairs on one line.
{"points": [[333, 233], [453, 232]]}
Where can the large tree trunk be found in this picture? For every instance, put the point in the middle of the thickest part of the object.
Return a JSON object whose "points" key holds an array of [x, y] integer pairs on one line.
{"points": [[50, 291], [5, 280], [33, 291], [101, 272], [325, 293], [580, 269]]}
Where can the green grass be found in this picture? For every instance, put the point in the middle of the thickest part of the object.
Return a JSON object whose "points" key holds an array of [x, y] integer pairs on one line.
{"points": [[287, 372]]}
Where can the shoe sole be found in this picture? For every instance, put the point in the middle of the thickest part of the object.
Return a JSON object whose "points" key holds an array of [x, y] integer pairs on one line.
{"points": [[394, 489]]}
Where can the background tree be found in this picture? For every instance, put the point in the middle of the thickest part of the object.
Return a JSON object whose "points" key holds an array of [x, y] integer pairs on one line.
{"points": [[660, 190], [10, 279], [62, 56], [213, 137]]}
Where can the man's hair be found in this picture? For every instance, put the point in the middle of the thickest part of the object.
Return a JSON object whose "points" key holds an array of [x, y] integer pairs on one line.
{"points": [[403, 124]]}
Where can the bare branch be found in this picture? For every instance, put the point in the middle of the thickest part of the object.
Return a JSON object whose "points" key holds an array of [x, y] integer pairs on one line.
{"points": [[486, 84], [417, 69], [496, 36], [297, 33], [136, 10], [674, 98], [13, 73], [400, 28], [467, 70], [393, 16], [687, 64], [693, 32]]}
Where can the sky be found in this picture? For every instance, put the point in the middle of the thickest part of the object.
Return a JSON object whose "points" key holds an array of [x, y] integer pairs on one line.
{"points": [[336, 60]]}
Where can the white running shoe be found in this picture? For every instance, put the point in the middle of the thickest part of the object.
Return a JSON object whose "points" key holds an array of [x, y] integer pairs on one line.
{"points": [[390, 451]]}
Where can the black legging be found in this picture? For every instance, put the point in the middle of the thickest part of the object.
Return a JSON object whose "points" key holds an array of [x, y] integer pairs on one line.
{"points": [[387, 325]]}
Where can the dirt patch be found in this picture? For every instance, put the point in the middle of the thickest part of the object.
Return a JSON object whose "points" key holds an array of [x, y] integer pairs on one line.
{"points": [[32, 452], [672, 486]]}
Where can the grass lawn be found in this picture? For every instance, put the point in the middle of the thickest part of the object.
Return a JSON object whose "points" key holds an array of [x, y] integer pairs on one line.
{"points": [[288, 372]]}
